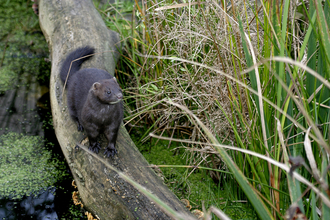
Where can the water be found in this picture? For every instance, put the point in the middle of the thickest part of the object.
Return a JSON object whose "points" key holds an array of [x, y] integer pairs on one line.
{"points": [[39, 207], [25, 111]]}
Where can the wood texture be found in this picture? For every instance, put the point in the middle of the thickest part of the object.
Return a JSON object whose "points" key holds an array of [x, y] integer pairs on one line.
{"points": [[67, 25]]}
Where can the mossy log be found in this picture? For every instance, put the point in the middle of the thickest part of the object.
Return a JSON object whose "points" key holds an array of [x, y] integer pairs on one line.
{"points": [[68, 25]]}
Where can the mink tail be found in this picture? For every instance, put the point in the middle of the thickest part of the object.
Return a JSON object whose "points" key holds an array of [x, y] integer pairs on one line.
{"points": [[75, 66]]}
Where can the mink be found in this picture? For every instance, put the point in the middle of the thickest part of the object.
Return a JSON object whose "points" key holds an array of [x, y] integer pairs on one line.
{"points": [[94, 99]]}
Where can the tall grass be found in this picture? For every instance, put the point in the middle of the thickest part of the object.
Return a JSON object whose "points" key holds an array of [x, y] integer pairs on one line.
{"points": [[248, 76]]}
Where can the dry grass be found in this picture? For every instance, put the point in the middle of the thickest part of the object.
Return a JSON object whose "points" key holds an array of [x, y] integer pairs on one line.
{"points": [[200, 33], [193, 55]]}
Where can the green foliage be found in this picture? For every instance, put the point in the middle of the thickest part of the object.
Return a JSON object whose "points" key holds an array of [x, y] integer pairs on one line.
{"points": [[11, 19], [74, 212], [288, 97], [251, 75], [7, 78], [22, 46], [195, 185], [118, 15], [25, 166]]}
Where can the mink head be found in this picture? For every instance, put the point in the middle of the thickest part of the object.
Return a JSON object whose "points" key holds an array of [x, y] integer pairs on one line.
{"points": [[108, 91]]}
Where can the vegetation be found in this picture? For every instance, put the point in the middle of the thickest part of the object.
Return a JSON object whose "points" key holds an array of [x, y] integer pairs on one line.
{"points": [[249, 77], [22, 45], [26, 166]]}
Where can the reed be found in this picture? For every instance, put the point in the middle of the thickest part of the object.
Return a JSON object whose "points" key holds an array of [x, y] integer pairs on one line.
{"points": [[246, 79]]}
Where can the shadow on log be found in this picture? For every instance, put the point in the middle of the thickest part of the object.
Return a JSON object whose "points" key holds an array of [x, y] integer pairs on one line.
{"points": [[68, 25]]}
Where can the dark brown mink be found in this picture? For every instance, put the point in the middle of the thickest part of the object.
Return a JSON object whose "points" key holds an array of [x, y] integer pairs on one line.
{"points": [[94, 100]]}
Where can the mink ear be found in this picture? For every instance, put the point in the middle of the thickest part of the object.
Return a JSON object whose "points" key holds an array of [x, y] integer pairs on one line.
{"points": [[114, 79], [96, 85]]}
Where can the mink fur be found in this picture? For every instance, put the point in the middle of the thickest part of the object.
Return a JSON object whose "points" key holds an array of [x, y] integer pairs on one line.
{"points": [[94, 100]]}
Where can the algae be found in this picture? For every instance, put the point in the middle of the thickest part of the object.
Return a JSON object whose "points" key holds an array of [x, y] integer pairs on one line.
{"points": [[26, 166], [7, 78], [197, 186], [22, 45]]}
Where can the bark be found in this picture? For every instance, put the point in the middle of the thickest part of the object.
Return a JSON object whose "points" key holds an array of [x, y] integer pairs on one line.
{"points": [[67, 25]]}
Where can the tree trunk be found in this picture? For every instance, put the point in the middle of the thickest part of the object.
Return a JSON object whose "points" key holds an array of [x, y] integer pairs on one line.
{"points": [[68, 25]]}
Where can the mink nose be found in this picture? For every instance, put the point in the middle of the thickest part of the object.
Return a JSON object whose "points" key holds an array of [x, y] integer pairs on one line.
{"points": [[119, 96]]}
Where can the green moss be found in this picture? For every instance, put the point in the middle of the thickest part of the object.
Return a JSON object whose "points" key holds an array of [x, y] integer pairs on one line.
{"points": [[22, 45], [197, 187], [12, 13], [25, 166], [7, 78], [75, 212]]}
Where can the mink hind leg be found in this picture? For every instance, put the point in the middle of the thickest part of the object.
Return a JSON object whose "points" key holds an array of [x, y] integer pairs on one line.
{"points": [[111, 134], [73, 109], [94, 146], [76, 120], [79, 126]]}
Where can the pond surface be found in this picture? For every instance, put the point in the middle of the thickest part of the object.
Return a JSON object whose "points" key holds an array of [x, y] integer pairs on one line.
{"points": [[35, 182]]}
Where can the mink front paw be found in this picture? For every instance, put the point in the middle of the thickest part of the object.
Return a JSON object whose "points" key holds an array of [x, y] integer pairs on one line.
{"points": [[80, 127], [110, 151], [95, 147]]}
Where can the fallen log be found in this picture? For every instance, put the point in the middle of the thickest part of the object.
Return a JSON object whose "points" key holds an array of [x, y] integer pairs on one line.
{"points": [[68, 25]]}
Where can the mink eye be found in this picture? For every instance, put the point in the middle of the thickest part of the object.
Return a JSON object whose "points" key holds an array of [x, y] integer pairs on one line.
{"points": [[108, 92]]}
